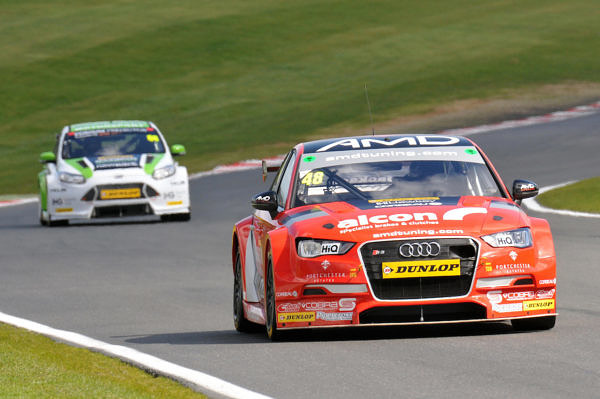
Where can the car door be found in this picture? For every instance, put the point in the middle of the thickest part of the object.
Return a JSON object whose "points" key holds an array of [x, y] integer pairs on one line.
{"points": [[263, 222]]}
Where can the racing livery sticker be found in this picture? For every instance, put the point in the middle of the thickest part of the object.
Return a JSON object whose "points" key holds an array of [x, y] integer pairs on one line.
{"points": [[297, 317], [429, 268], [540, 304]]}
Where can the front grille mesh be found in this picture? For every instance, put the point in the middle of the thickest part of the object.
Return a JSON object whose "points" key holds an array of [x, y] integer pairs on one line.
{"points": [[376, 252]]}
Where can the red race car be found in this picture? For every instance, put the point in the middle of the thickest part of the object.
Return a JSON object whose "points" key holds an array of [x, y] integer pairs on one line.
{"points": [[399, 229]]}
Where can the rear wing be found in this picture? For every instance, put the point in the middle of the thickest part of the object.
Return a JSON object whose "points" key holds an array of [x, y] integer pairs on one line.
{"points": [[270, 166]]}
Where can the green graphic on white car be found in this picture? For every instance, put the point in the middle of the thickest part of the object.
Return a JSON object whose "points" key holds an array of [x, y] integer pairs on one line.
{"points": [[112, 169]]}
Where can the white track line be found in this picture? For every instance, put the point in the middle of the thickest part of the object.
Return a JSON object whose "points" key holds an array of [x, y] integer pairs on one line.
{"points": [[206, 383], [533, 205]]}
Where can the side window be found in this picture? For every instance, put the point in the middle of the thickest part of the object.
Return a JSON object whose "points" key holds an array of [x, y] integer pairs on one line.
{"points": [[286, 179]]}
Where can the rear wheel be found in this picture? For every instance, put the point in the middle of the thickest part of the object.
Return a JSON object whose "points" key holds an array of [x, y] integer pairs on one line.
{"points": [[239, 321], [271, 315], [537, 323]]}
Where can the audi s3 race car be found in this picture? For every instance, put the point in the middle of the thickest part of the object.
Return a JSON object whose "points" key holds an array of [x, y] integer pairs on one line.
{"points": [[112, 169], [376, 230]]}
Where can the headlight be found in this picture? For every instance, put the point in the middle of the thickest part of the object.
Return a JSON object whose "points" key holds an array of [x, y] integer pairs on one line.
{"points": [[309, 248], [71, 178], [519, 238], [164, 172]]}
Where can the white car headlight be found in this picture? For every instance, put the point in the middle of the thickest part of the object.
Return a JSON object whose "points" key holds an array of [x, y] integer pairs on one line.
{"points": [[71, 178], [519, 238], [309, 248], [164, 172]]}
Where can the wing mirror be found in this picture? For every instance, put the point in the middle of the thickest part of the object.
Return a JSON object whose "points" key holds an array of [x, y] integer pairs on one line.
{"points": [[524, 189], [177, 149], [47, 156], [266, 201]]}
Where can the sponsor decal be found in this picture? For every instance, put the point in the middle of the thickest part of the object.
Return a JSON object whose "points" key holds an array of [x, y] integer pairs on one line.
{"points": [[540, 304], [354, 271], [508, 307], [495, 298], [513, 255], [347, 304], [514, 267], [343, 316], [396, 202], [174, 202], [57, 201], [287, 294], [364, 222], [288, 307], [377, 252], [419, 232], [528, 187], [518, 295], [407, 141], [325, 264], [430, 268], [63, 210], [330, 248], [120, 193], [325, 277], [545, 294], [117, 161], [297, 317], [551, 281], [342, 305]]}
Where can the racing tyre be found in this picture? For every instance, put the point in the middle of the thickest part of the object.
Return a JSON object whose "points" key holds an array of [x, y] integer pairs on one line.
{"points": [[538, 323], [239, 321], [40, 213], [271, 315], [55, 223]]}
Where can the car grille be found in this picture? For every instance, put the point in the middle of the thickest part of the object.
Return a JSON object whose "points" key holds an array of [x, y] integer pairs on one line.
{"points": [[376, 252]]}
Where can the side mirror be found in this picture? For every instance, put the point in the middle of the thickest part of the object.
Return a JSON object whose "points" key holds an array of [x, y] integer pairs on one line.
{"points": [[47, 156], [266, 201], [524, 189], [177, 149]]}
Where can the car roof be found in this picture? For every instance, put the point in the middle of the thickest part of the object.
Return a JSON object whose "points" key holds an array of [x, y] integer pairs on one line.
{"points": [[385, 141]]}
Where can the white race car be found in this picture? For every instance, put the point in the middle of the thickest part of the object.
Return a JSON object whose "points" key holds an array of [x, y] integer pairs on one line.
{"points": [[112, 169]]}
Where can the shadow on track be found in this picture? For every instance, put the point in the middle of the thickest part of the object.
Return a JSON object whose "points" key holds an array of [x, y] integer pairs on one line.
{"points": [[230, 337]]}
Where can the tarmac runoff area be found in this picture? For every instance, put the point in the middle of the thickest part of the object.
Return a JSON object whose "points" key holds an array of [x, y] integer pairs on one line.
{"points": [[219, 388]]}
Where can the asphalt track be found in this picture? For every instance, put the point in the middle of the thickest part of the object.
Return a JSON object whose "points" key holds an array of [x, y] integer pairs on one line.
{"points": [[165, 289]]}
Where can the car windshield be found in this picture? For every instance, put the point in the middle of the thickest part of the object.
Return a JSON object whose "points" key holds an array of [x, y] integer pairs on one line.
{"points": [[99, 144], [399, 179]]}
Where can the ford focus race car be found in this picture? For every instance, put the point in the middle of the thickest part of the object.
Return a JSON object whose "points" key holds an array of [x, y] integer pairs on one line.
{"points": [[381, 230], [112, 169]]}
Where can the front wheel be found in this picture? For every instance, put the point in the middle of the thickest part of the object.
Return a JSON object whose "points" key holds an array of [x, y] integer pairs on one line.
{"points": [[271, 315], [537, 323], [239, 321]]}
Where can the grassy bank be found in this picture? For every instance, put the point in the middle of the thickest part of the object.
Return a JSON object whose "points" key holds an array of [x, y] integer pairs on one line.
{"points": [[583, 196], [234, 79], [33, 366]]}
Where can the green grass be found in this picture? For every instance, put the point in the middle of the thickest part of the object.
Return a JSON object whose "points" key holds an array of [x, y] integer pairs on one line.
{"points": [[233, 79], [583, 196], [33, 366]]}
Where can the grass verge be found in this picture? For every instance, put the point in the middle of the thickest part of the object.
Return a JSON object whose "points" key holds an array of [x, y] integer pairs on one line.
{"points": [[34, 366], [233, 79], [583, 196]]}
